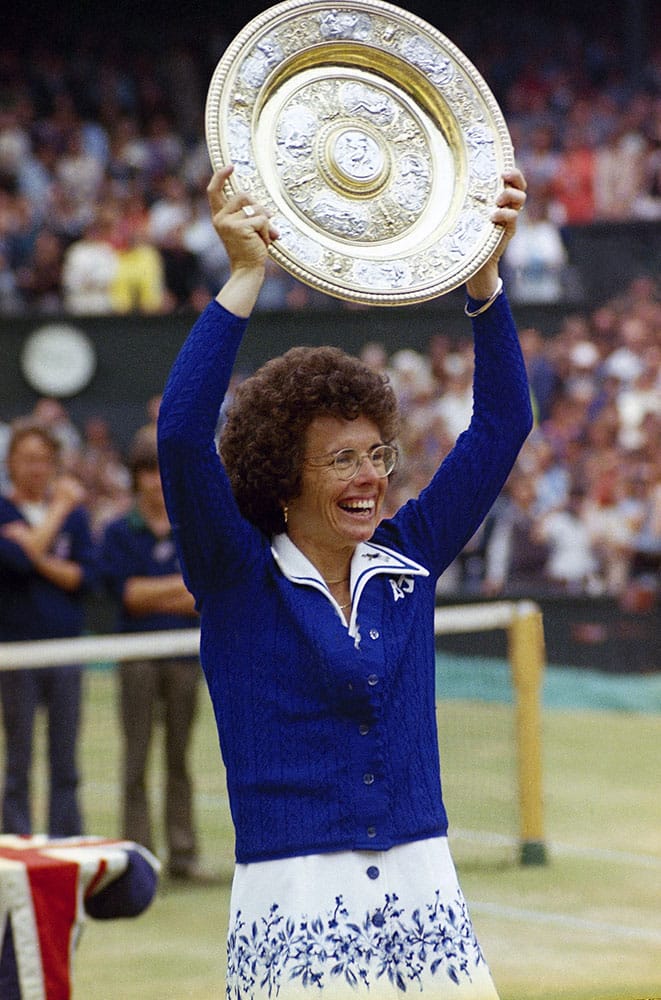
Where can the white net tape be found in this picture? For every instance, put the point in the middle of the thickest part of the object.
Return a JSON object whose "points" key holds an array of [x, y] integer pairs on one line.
{"points": [[186, 642]]}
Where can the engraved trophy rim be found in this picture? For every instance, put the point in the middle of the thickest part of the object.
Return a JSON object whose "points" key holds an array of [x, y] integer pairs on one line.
{"points": [[372, 139]]}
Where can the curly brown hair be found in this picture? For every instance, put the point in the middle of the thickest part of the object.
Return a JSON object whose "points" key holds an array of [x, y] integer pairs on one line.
{"points": [[263, 441]]}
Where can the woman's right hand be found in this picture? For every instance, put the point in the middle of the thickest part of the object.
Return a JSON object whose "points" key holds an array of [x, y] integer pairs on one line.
{"points": [[241, 223], [246, 232]]}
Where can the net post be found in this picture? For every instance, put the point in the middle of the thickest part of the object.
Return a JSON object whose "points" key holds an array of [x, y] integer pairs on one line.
{"points": [[527, 656]]}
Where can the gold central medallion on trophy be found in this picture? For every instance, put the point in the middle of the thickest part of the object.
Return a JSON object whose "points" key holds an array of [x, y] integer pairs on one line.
{"points": [[355, 160]]}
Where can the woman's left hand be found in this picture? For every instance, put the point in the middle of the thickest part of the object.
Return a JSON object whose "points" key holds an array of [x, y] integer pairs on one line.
{"points": [[509, 203]]}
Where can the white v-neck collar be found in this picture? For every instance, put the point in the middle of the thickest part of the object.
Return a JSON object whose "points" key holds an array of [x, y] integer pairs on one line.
{"points": [[367, 561]]}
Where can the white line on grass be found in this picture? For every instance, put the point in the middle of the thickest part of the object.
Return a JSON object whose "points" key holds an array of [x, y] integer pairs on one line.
{"points": [[570, 923], [214, 801], [557, 848]]}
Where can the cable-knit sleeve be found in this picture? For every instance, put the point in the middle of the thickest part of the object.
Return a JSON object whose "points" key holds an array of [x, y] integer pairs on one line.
{"points": [[450, 510], [212, 538]]}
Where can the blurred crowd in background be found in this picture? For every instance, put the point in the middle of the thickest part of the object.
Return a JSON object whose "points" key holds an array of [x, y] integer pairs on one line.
{"points": [[103, 171], [581, 511], [103, 162]]}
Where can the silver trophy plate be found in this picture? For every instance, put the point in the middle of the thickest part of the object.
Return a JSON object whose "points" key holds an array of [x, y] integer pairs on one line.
{"points": [[373, 141]]}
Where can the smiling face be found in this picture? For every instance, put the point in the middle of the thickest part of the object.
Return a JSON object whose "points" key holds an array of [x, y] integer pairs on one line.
{"points": [[331, 516]]}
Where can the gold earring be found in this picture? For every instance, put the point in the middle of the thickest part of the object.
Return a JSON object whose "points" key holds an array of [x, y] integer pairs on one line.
{"points": [[285, 512]]}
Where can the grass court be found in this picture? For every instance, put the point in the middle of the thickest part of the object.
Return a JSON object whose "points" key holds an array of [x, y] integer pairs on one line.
{"points": [[585, 926]]}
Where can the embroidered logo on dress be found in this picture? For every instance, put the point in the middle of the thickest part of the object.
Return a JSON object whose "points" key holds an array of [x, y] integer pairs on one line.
{"points": [[402, 586]]}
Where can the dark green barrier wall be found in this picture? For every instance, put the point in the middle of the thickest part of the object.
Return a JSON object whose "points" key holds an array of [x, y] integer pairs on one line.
{"points": [[595, 632], [134, 354]]}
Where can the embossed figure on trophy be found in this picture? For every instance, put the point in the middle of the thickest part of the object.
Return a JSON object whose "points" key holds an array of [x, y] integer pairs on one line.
{"points": [[413, 183], [357, 99], [421, 54], [464, 235], [340, 217], [265, 56], [482, 154], [358, 155], [296, 130], [344, 24], [239, 134]]}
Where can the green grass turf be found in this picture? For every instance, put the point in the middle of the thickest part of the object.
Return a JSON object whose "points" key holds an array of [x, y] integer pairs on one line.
{"points": [[586, 926]]}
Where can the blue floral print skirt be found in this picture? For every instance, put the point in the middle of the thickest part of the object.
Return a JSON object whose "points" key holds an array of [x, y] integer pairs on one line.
{"points": [[375, 924]]}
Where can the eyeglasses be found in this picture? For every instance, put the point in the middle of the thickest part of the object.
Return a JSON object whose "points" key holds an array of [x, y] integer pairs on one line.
{"points": [[348, 461]]}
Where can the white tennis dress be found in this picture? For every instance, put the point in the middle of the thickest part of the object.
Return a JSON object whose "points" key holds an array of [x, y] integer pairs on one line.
{"points": [[353, 924]]}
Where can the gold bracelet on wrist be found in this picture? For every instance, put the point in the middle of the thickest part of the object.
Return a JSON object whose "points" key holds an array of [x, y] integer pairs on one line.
{"points": [[485, 305]]}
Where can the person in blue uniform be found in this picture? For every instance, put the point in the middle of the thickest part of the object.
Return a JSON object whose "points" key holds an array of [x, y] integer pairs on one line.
{"points": [[317, 633], [47, 565], [141, 569]]}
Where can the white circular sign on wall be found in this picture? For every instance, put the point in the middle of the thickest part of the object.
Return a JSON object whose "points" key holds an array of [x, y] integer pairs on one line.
{"points": [[58, 360]]}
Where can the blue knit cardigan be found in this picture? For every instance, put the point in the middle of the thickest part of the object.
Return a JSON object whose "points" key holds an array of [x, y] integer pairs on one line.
{"points": [[31, 606], [328, 732]]}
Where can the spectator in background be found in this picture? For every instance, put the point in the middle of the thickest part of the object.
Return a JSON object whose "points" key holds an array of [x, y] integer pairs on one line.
{"points": [[127, 157], [68, 218], [572, 566], [647, 205], [515, 557], [536, 261], [638, 399], [80, 174], [199, 238], [552, 478], [169, 218], [140, 567], [139, 282], [164, 146], [52, 414], [104, 475], [15, 144], [618, 173], [543, 376], [90, 268], [572, 189], [39, 279], [646, 541], [625, 362], [10, 300], [455, 405], [608, 527], [36, 174], [46, 566], [539, 159]]}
